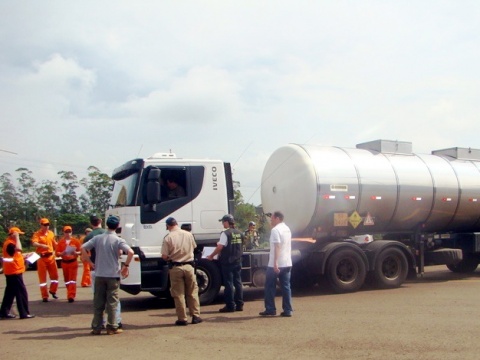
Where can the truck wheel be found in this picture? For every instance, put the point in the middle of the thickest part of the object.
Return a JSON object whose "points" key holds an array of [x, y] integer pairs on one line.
{"points": [[345, 271], [391, 268], [467, 265], [209, 281]]}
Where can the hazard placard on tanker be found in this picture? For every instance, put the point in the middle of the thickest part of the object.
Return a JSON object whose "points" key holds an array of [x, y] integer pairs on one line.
{"points": [[340, 219], [368, 221], [355, 219]]}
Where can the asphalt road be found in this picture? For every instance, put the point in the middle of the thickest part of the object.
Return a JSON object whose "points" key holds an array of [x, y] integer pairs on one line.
{"points": [[435, 317]]}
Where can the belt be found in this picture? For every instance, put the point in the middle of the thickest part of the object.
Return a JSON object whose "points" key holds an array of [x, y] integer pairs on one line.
{"points": [[183, 263], [45, 255], [69, 261]]}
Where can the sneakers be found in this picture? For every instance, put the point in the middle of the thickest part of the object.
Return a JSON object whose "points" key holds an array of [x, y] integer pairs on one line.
{"points": [[226, 309], [54, 295], [196, 320], [181, 323], [45, 300], [96, 332], [114, 331], [286, 314], [239, 308], [70, 300], [27, 317], [118, 327], [8, 316], [266, 313]]}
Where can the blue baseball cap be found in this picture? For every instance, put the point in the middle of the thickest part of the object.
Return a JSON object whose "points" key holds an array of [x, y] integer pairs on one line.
{"points": [[113, 221]]}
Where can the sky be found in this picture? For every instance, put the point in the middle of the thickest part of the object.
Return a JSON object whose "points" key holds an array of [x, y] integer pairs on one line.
{"points": [[102, 82]]}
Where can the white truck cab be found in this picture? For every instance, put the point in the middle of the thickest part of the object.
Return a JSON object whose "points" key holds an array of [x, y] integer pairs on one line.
{"points": [[147, 191]]}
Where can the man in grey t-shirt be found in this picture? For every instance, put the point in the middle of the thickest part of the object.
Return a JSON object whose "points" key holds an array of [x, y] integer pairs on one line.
{"points": [[107, 274]]}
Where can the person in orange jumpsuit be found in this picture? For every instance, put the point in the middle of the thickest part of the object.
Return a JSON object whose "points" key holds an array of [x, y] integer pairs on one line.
{"points": [[14, 267], [44, 242], [86, 275], [68, 248]]}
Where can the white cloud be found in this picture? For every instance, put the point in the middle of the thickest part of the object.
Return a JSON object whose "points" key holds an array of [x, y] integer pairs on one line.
{"points": [[89, 83], [202, 95], [55, 89]]}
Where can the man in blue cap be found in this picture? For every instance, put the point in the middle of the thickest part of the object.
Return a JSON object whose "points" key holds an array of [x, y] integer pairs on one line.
{"points": [[107, 274], [230, 249]]}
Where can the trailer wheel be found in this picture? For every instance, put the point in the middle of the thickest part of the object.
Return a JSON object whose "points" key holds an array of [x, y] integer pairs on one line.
{"points": [[466, 265], [346, 271], [209, 281], [391, 268]]}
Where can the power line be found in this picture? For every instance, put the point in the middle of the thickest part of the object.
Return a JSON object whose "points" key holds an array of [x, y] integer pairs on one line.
{"points": [[10, 152]]}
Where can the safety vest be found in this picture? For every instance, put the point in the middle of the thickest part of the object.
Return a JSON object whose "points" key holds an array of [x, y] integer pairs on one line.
{"points": [[12, 265], [233, 252]]}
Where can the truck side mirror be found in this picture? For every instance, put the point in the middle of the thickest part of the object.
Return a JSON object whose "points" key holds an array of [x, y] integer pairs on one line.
{"points": [[153, 189]]}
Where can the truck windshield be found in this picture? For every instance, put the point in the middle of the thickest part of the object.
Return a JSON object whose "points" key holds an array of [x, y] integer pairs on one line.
{"points": [[124, 191]]}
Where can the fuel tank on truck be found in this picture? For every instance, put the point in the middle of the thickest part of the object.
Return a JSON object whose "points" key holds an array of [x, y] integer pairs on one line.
{"points": [[379, 186]]}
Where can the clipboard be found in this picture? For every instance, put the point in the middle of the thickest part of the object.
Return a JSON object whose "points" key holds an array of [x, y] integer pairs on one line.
{"points": [[207, 250], [32, 258]]}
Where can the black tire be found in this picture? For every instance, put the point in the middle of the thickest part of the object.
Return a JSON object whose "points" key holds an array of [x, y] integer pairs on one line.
{"points": [[443, 256], [346, 271], [209, 281], [391, 269], [467, 265]]}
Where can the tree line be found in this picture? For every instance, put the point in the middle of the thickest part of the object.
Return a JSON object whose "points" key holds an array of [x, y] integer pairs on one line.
{"points": [[69, 200]]}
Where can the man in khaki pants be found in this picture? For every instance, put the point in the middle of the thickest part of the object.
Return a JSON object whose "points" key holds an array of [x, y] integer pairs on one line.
{"points": [[177, 248]]}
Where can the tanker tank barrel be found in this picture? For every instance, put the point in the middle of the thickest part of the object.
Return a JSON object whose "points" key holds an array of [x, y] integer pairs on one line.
{"points": [[379, 186]]}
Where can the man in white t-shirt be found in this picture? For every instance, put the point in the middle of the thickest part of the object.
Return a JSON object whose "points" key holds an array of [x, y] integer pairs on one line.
{"points": [[279, 266]]}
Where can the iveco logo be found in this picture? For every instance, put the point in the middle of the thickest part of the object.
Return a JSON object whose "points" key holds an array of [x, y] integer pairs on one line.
{"points": [[214, 178]]}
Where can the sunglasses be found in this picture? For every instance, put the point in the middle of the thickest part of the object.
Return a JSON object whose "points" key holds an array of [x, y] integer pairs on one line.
{"points": [[45, 224], [68, 231]]}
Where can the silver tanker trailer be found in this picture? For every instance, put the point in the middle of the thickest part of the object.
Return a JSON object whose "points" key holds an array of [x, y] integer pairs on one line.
{"points": [[374, 213], [377, 212]]}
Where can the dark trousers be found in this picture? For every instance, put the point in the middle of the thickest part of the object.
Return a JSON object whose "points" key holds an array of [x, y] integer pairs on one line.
{"points": [[232, 280], [15, 289]]}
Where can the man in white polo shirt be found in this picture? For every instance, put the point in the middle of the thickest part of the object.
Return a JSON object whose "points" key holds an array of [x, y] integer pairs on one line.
{"points": [[279, 266]]}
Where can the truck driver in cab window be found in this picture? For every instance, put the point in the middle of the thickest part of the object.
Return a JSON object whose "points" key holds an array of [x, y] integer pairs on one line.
{"points": [[174, 188]]}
